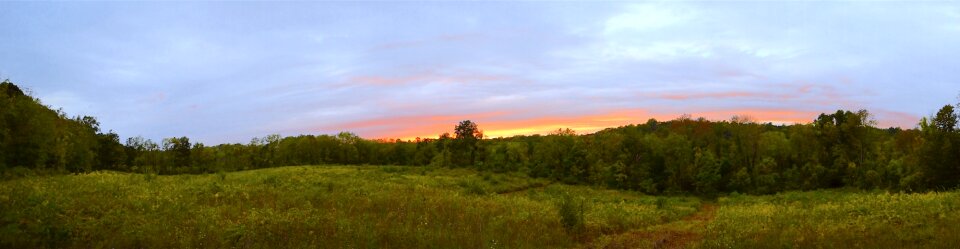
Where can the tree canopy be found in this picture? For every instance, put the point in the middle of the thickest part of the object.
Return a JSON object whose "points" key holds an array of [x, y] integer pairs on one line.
{"points": [[685, 155]]}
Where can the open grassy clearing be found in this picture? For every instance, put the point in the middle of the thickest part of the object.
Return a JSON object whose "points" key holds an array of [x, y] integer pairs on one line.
{"points": [[837, 219], [403, 207], [316, 206], [816, 219]]}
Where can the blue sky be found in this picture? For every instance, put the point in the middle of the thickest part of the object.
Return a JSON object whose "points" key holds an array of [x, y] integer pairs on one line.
{"points": [[228, 71]]}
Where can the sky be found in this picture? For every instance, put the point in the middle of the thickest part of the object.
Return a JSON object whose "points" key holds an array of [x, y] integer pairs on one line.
{"points": [[225, 72]]}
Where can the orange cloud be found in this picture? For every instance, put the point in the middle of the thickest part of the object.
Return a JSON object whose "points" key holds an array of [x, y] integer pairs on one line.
{"points": [[581, 123], [527, 122], [495, 124]]}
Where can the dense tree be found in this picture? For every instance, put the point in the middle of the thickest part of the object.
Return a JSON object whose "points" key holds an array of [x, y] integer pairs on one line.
{"points": [[110, 153], [466, 138], [946, 119], [685, 155], [34, 136], [940, 152], [179, 153], [708, 172]]}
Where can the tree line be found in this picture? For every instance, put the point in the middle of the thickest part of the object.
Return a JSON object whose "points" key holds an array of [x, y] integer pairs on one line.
{"points": [[684, 155]]}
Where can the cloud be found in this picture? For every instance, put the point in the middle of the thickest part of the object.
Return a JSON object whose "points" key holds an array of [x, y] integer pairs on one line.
{"points": [[773, 115], [428, 77], [459, 37], [506, 124], [405, 70], [406, 126], [887, 118], [409, 120], [717, 95], [648, 17]]}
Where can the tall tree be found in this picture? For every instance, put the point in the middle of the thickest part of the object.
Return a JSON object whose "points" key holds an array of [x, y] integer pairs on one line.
{"points": [[946, 119], [466, 137], [110, 153], [179, 150]]}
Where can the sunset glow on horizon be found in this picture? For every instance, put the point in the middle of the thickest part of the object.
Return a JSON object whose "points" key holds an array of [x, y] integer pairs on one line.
{"points": [[492, 127], [224, 72]]}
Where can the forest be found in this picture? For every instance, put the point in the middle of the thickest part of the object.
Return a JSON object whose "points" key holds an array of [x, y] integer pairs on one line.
{"points": [[686, 155]]}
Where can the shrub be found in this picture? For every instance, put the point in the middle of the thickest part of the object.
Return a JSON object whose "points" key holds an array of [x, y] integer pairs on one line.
{"points": [[222, 175], [571, 213], [18, 172], [149, 176], [272, 181], [660, 201], [473, 187]]}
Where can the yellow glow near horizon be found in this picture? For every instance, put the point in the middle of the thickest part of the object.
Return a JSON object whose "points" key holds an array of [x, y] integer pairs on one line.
{"points": [[586, 124]]}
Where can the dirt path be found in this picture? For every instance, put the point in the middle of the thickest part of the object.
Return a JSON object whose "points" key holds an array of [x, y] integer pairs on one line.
{"points": [[677, 234], [705, 213]]}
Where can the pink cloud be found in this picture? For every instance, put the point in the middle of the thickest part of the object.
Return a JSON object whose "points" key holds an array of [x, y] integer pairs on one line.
{"points": [[903, 120]]}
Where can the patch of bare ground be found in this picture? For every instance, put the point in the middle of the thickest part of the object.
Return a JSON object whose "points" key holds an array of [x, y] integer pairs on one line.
{"points": [[678, 234], [706, 213]]}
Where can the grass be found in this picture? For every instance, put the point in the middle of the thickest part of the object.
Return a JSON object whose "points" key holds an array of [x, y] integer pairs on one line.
{"points": [[310, 206], [422, 207], [837, 219]]}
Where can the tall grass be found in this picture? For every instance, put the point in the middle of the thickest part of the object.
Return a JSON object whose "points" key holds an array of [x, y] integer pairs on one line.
{"points": [[314, 206], [837, 219], [422, 207]]}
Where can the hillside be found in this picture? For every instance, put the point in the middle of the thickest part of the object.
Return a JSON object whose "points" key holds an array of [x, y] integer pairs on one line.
{"points": [[423, 207], [35, 137]]}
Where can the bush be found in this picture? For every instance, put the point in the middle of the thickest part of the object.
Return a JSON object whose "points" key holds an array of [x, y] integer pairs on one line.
{"points": [[149, 176], [660, 201], [473, 187], [18, 172], [222, 175], [393, 169], [571, 214]]}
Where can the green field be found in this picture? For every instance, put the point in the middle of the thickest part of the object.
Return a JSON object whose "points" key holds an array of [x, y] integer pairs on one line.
{"points": [[422, 207]]}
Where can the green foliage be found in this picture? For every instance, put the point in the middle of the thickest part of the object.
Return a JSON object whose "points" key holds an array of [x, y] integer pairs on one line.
{"points": [[473, 187], [222, 175], [571, 214], [465, 143], [681, 156], [708, 173], [946, 119], [149, 176]]}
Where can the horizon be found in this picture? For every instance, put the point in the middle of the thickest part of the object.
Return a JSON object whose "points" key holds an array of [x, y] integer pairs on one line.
{"points": [[228, 72]]}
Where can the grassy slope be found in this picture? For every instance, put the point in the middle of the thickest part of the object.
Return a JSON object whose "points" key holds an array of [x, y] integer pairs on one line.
{"points": [[837, 219], [319, 206], [403, 207]]}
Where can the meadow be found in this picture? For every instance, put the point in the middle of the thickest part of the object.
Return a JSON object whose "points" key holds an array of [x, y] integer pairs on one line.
{"points": [[837, 219], [426, 207]]}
